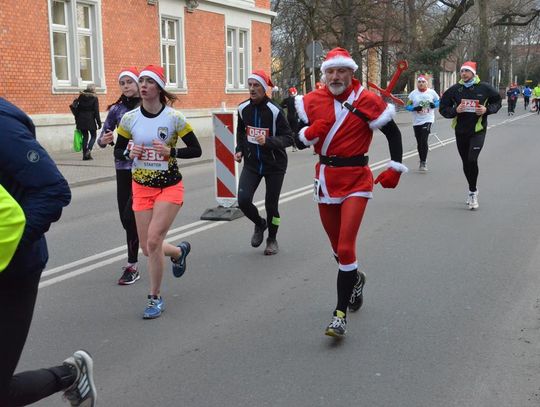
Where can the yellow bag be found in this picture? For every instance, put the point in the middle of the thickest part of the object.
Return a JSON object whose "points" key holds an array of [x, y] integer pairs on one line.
{"points": [[12, 222]]}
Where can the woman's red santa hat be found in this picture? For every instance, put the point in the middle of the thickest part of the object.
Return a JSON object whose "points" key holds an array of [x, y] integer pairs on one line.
{"points": [[261, 77], [470, 66], [293, 91], [155, 72], [338, 58], [132, 72]]}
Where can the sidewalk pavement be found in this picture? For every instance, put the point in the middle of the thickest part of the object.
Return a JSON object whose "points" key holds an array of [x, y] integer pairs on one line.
{"points": [[78, 172]]}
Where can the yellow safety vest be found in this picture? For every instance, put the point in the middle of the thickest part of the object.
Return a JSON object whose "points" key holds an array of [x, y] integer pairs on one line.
{"points": [[12, 222]]}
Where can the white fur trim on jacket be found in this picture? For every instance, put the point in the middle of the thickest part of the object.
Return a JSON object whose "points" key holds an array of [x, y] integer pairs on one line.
{"points": [[338, 62], [397, 166], [303, 138], [299, 105], [384, 118]]}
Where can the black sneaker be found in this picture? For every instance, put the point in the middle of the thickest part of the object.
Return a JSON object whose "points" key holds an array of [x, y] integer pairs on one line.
{"points": [[357, 297], [338, 327], [258, 234], [83, 391], [129, 276], [271, 247], [179, 265]]}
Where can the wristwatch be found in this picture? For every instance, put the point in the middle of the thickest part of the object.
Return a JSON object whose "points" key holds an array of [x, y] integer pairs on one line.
{"points": [[126, 154]]}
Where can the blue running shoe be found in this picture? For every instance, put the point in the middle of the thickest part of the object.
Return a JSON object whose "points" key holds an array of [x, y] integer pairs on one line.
{"points": [[179, 265], [154, 308]]}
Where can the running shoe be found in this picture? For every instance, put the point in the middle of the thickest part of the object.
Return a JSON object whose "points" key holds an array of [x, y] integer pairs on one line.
{"points": [[179, 265], [271, 247], [338, 326], [472, 202], [129, 276], [357, 297], [83, 390], [258, 234], [154, 307], [422, 167]]}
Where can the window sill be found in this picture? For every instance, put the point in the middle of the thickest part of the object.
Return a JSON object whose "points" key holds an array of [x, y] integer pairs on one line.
{"points": [[74, 90], [236, 91]]}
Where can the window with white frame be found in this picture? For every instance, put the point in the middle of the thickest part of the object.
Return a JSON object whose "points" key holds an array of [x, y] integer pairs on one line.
{"points": [[171, 55], [237, 58], [75, 38]]}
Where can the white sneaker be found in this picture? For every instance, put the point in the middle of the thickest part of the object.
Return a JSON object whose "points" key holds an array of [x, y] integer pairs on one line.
{"points": [[472, 201], [422, 167]]}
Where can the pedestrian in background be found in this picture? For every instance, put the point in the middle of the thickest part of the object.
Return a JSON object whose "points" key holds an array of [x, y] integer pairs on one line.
{"points": [[512, 95], [262, 135], [128, 100], [527, 92], [536, 98], [87, 120], [292, 116], [468, 103], [30, 176], [158, 190], [422, 102]]}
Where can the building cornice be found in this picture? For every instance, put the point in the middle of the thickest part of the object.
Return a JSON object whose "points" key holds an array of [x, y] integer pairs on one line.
{"points": [[239, 5]]}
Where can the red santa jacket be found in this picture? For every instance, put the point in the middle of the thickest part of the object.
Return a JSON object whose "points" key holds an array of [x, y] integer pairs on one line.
{"points": [[350, 136]]}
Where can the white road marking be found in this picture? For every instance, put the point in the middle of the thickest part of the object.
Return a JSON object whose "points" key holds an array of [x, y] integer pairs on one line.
{"points": [[204, 225]]}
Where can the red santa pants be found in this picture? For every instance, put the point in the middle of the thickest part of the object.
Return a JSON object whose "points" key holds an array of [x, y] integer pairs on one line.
{"points": [[342, 223]]}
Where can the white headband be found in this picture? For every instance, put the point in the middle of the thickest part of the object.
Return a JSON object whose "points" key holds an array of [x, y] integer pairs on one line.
{"points": [[154, 76], [260, 80], [128, 73]]}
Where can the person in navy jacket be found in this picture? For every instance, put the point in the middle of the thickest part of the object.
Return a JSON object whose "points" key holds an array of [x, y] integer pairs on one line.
{"points": [[31, 177]]}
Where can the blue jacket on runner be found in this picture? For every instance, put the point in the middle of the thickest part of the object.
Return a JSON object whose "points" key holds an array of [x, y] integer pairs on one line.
{"points": [[29, 174]]}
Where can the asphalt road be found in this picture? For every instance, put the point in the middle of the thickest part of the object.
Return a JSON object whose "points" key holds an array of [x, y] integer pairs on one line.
{"points": [[451, 315]]}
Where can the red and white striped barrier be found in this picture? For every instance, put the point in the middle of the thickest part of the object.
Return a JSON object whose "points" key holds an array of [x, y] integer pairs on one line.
{"points": [[225, 165], [226, 169]]}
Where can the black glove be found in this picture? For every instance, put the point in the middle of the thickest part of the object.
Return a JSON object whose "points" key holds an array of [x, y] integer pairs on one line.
{"points": [[432, 105], [299, 144], [418, 108]]}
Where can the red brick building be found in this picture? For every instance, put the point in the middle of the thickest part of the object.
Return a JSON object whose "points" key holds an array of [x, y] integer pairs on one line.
{"points": [[51, 49]]}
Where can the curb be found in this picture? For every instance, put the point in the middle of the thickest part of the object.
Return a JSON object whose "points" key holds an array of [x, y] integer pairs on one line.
{"points": [[113, 177]]}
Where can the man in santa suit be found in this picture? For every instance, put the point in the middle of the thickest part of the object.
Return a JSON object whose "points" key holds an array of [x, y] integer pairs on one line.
{"points": [[339, 120]]}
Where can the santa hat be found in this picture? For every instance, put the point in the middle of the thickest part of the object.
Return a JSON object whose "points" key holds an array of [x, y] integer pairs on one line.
{"points": [[421, 77], [338, 57], [132, 72], [470, 66], [293, 91], [261, 77], [155, 72], [319, 85]]}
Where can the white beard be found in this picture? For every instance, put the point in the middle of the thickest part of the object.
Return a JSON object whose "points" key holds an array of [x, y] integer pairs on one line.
{"points": [[337, 89]]}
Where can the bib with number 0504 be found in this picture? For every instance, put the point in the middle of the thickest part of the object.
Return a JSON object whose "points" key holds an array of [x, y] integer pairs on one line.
{"points": [[252, 132]]}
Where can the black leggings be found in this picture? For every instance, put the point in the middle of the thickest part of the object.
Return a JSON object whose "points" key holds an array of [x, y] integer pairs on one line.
{"points": [[421, 132], [469, 147], [17, 299], [249, 181], [526, 101], [88, 145], [125, 210]]}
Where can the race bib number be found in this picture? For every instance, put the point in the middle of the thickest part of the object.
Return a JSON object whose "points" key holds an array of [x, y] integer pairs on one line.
{"points": [[316, 190], [150, 159], [470, 105], [252, 132]]}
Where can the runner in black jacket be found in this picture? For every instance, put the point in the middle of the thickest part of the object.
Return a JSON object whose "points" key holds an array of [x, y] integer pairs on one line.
{"points": [[262, 136], [468, 103]]}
